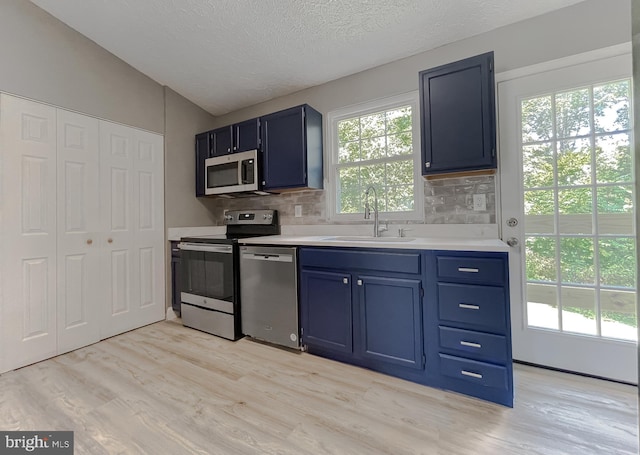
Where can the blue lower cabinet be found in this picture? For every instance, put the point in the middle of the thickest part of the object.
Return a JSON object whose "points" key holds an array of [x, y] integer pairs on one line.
{"points": [[361, 313], [418, 315], [391, 320], [326, 310], [472, 350]]}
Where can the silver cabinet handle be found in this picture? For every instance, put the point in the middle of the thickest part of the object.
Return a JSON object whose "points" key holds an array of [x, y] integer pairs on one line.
{"points": [[345, 280], [466, 306], [470, 344], [359, 282], [471, 374], [468, 270]]}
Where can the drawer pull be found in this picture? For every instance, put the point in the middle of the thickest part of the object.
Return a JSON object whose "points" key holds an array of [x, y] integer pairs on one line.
{"points": [[468, 270], [470, 344], [471, 374], [466, 306]]}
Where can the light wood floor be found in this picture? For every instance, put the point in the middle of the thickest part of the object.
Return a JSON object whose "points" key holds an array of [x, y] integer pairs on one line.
{"points": [[166, 389]]}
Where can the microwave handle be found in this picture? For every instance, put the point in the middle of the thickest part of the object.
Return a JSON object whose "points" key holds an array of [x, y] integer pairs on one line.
{"points": [[243, 172]]}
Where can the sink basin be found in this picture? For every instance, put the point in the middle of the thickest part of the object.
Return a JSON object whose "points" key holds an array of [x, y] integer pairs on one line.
{"points": [[360, 238]]}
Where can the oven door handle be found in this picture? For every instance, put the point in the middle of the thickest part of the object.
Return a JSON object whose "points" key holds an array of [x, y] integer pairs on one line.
{"points": [[185, 246]]}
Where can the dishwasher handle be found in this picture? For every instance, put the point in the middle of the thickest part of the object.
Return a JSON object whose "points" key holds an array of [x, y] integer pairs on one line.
{"points": [[268, 257]]}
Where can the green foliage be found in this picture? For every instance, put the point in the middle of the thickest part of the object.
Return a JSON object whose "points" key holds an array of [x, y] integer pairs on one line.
{"points": [[376, 149], [558, 156]]}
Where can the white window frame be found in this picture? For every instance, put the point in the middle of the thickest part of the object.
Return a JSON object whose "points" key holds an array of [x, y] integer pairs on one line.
{"points": [[331, 158]]}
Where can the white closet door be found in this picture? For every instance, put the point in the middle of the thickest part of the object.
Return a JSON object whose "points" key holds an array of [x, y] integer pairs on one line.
{"points": [[148, 221], [79, 245], [28, 231], [132, 214]]}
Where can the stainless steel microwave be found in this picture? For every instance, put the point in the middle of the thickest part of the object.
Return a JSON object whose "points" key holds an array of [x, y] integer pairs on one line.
{"points": [[234, 173]]}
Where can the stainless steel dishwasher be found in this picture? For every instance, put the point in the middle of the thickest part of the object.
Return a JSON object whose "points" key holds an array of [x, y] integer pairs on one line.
{"points": [[269, 294]]}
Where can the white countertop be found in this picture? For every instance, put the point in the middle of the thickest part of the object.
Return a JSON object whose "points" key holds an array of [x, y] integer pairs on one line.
{"points": [[418, 243]]}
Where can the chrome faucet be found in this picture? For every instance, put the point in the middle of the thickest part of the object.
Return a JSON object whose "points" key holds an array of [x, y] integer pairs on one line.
{"points": [[367, 210]]}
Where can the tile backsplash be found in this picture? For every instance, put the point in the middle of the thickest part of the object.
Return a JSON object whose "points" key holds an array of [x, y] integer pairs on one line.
{"points": [[446, 201]]}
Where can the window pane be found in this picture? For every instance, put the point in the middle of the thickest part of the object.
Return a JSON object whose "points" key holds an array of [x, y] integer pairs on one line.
{"points": [[373, 148], [613, 159], [400, 144], [576, 200], [576, 260], [399, 198], [611, 107], [618, 312], [539, 202], [536, 119], [617, 262], [615, 199], [348, 130], [350, 201], [572, 113], [349, 178], [542, 306], [574, 162], [400, 173], [537, 166], [399, 120], [541, 258], [373, 174], [349, 152], [372, 125], [578, 310]]}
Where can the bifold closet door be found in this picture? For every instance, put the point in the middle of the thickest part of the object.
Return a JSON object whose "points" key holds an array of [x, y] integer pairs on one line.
{"points": [[28, 231], [79, 291], [131, 169]]}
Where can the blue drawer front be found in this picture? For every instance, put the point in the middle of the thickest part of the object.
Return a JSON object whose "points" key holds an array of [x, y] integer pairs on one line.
{"points": [[476, 345], [383, 261], [471, 269], [474, 372], [483, 307]]}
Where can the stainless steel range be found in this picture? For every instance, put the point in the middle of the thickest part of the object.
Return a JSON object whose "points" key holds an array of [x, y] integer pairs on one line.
{"points": [[210, 298]]}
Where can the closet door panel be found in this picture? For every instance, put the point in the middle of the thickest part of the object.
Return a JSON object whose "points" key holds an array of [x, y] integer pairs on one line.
{"points": [[28, 232], [79, 249], [149, 227], [117, 214], [133, 216]]}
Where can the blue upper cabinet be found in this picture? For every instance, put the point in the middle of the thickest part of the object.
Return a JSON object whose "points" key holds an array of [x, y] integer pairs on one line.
{"points": [[236, 138], [246, 135], [222, 141], [292, 149], [457, 106], [203, 151]]}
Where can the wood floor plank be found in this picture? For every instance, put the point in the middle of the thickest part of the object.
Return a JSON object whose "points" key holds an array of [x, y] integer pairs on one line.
{"points": [[167, 389]]}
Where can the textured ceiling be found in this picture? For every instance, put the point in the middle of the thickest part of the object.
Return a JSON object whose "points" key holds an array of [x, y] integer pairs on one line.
{"points": [[227, 54]]}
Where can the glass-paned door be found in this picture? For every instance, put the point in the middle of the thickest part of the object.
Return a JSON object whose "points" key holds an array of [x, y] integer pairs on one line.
{"points": [[567, 178]]}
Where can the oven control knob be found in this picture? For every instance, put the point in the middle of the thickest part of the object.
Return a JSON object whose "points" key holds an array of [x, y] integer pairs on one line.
{"points": [[267, 216], [228, 217]]}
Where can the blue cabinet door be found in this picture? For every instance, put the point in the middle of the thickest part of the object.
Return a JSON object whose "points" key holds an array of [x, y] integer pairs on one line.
{"points": [[203, 151], [457, 105], [284, 151], [391, 320], [246, 135], [326, 310], [222, 141]]}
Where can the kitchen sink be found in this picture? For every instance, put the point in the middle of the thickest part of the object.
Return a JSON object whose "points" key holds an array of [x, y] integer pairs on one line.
{"points": [[364, 238]]}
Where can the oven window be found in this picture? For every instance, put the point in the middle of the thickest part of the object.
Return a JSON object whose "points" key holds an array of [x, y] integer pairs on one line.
{"points": [[208, 274], [222, 175]]}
